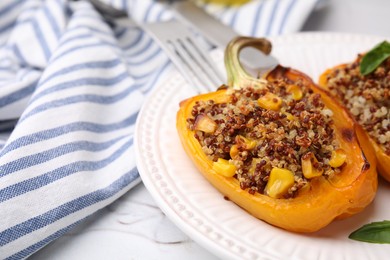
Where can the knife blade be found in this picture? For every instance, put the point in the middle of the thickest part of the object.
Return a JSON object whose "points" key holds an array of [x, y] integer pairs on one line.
{"points": [[219, 34]]}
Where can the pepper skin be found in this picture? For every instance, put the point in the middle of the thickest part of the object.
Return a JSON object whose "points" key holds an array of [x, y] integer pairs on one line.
{"points": [[315, 206], [383, 159]]}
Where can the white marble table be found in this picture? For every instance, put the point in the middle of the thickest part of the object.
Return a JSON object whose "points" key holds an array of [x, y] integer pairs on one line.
{"points": [[131, 228], [135, 228]]}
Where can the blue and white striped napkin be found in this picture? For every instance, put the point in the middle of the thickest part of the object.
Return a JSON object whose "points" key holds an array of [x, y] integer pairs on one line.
{"points": [[76, 85]]}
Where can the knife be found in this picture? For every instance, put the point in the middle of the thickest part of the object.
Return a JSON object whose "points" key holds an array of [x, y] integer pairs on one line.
{"points": [[220, 35]]}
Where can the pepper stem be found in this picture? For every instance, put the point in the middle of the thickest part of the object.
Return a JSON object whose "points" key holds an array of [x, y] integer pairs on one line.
{"points": [[238, 77]]}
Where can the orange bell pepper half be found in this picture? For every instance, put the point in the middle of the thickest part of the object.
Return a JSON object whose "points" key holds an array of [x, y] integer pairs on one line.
{"points": [[383, 158], [324, 198]]}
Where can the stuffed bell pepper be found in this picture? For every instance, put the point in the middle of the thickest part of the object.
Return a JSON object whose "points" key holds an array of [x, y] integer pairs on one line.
{"points": [[279, 146], [366, 94]]}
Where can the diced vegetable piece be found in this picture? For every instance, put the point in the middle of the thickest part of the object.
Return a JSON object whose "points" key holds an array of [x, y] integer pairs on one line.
{"points": [[337, 158], [280, 180], [290, 116], [295, 91], [205, 124], [224, 167], [309, 169], [233, 151], [270, 101], [245, 142]]}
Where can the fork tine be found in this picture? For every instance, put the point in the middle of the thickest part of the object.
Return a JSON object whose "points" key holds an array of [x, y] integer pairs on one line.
{"points": [[200, 69], [199, 82], [200, 57], [190, 59]]}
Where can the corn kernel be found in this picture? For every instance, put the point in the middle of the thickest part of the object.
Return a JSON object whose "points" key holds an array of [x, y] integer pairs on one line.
{"points": [[224, 167], [308, 170], [295, 91], [247, 143], [337, 158], [280, 180], [289, 116], [233, 151], [270, 101]]}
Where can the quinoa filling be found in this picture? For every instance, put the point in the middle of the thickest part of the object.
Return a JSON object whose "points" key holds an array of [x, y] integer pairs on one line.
{"points": [[366, 97], [280, 125]]}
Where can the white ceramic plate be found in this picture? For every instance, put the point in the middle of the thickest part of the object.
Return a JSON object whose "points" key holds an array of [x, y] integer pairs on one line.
{"points": [[202, 212]]}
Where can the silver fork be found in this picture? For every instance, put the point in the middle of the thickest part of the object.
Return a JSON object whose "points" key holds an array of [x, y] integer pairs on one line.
{"points": [[189, 57], [186, 53]]}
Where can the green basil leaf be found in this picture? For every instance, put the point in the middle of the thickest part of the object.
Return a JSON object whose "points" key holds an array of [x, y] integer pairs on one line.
{"points": [[374, 58], [375, 232]]}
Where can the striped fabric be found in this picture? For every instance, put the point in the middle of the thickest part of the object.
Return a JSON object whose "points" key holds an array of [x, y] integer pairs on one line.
{"points": [[76, 85]]}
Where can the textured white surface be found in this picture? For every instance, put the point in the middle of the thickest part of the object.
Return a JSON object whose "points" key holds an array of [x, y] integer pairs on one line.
{"points": [[200, 210], [133, 227]]}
